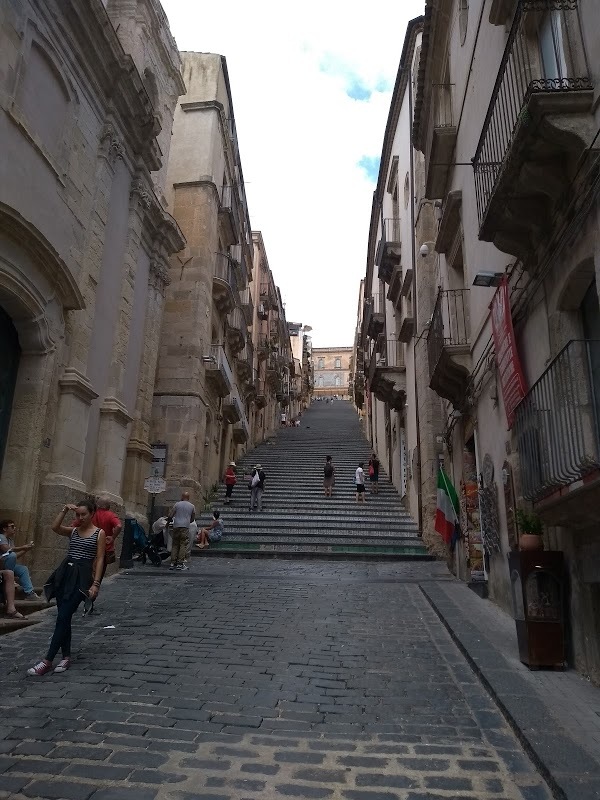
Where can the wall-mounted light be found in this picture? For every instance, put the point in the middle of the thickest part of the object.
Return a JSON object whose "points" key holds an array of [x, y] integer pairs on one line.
{"points": [[488, 279]]}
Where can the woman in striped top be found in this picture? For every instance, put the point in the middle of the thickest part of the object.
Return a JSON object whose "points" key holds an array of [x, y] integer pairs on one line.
{"points": [[77, 578]]}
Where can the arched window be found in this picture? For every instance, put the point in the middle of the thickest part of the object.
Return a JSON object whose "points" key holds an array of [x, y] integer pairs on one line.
{"points": [[337, 381], [338, 363], [321, 363], [320, 381]]}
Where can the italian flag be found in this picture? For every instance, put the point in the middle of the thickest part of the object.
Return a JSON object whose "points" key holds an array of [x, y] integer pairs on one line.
{"points": [[446, 516]]}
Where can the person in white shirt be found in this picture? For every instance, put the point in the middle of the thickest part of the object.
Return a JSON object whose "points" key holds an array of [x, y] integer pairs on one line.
{"points": [[359, 480]]}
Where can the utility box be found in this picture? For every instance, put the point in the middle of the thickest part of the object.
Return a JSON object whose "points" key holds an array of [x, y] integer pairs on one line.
{"points": [[538, 590]]}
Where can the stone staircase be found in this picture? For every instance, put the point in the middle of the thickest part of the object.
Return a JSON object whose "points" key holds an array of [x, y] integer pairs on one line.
{"points": [[297, 520]]}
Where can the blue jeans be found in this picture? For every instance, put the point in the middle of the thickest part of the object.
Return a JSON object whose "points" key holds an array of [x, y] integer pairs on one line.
{"points": [[21, 572]]}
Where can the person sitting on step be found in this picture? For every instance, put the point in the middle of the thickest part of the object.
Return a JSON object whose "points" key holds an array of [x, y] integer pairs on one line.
{"points": [[212, 533]]}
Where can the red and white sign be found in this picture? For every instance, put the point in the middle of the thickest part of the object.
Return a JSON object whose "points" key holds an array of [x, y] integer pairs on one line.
{"points": [[512, 380]]}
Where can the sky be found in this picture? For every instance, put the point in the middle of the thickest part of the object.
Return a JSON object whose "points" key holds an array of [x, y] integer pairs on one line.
{"points": [[311, 84]]}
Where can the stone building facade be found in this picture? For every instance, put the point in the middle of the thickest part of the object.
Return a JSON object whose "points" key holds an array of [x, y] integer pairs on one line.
{"points": [[504, 121], [88, 93], [225, 364], [271, 342], [331, 371], [402, 414], [205, 367]]}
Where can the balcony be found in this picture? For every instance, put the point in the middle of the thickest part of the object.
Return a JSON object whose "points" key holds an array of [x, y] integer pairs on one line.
{"points": [[224, 284], [389, 249], [237, 330], [239, 264], [273, 371], [267, 297], [264, 346], [229, 220], [241, 431], [387, 373], [448, 346], [245, 361], [374, 315], [263, 310], [247, 305], [537, 127], [443, 140], [233, 410], [557, 430], [261, 393], [218, 371]]}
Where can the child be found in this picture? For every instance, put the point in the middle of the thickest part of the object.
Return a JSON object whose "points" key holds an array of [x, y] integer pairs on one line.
{"points": [[213, 533]]}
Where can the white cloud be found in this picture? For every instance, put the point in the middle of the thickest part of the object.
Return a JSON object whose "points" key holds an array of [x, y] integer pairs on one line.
{"points": [[301, 136]]}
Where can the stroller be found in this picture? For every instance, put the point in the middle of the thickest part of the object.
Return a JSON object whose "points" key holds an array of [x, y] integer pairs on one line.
{"points": [[142, 545]]}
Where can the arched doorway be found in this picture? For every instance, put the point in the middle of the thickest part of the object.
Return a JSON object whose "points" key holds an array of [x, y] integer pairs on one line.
{"points": [[10, 354]]}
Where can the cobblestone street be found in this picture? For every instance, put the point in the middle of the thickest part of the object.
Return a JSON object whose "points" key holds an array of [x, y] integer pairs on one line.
{"points": [[247, 679]]}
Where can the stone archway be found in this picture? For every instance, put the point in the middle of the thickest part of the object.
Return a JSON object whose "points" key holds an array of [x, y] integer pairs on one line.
{"points": [[35, 288]]}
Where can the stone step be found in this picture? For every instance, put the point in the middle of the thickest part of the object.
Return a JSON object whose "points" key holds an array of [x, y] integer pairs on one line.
{"points": [[300, 526], [343, 516], [316, 538], [326, 551]]}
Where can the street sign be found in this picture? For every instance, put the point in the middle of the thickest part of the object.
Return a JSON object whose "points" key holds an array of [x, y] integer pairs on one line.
{"points": [[155, 485]]}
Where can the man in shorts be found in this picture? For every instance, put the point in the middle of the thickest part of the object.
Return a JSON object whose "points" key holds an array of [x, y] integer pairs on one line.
{"points": [[359, 480]]}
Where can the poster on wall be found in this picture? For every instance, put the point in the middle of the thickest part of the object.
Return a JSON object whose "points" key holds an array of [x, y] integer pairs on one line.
{"points": [[512, 380], [471, 517]]}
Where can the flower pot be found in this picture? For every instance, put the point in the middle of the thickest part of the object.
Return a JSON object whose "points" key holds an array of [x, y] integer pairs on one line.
{"points": [[530, 542]]}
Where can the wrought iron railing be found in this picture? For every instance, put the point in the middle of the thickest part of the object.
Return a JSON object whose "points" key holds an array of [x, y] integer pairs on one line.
{"points": [[391, 230], [236, 320], [216, 359], [544, 53], [442, 104], [224, 270], [557, 423], [389, 356], [449, 324]]}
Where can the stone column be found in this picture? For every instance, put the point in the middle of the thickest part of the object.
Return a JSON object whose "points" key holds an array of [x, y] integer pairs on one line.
{"points": [[113, 431], [139, 454]]}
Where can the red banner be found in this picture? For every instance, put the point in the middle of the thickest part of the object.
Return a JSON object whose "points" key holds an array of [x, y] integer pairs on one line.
{"points": [[512, 380]]}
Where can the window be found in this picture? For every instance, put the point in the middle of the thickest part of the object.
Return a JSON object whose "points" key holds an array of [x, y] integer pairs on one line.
{"points": [[406, 191], [338, 363], [320, 381], [337, 381], [551, 46], [321, 363]]}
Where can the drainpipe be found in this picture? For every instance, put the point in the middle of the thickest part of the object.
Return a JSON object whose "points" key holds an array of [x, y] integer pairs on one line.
{"points": [[415, 308]]}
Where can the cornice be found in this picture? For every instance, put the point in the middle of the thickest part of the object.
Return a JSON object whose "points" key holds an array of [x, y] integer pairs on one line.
{"points": [[117, 76], [413, 29]]}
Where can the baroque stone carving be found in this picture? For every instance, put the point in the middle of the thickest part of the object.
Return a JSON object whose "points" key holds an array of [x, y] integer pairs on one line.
{"points": [[158, 277], [139, 190]]}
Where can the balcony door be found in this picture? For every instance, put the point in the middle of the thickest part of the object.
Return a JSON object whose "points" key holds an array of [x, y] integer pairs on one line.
{"points": [[552, 52]]}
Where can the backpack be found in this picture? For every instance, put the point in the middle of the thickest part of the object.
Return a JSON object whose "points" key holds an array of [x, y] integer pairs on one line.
{"points": [[328, 470]]}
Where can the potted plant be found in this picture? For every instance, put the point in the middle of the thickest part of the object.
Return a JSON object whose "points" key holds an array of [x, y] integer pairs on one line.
{"points": [[530, 530]]}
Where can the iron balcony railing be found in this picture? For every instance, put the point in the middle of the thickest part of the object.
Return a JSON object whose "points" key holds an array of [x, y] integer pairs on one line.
{"points": [[236, 319], [391, 230], [544, 53], [557, 423], [442, 104], [449, 324], [216, 359], [224, 270], [390, 356]]}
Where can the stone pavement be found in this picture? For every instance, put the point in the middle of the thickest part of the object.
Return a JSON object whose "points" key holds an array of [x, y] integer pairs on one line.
{"points": [[246, 679]]}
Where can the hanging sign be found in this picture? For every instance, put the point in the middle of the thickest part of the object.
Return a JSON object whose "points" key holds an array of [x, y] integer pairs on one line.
{"points": [[512, 380]]}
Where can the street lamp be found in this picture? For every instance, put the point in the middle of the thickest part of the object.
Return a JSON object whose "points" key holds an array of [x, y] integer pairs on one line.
{"points": [[488, 279]]}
